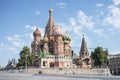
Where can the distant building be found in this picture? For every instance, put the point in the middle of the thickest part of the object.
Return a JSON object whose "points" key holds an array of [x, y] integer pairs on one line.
{"points": [[11, 65], [84, 58], [114, 64]]}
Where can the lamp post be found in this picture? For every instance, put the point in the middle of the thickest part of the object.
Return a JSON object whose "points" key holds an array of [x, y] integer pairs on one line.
{"points": [[26, 61]]}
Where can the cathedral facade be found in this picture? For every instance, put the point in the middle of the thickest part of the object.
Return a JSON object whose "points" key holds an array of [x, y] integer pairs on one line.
{"points": [[54, 49]]}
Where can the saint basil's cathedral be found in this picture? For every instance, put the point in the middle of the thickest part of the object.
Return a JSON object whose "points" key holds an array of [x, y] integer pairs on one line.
{"points": [[54, 49]]}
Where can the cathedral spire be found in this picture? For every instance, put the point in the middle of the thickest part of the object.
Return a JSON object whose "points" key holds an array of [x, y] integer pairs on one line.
{"points": [[84, 51], [50, 21], [50, 24], [50, 11]]}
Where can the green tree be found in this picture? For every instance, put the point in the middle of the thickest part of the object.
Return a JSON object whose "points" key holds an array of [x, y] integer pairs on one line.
{"points": [[25, 52], [100, 57]]}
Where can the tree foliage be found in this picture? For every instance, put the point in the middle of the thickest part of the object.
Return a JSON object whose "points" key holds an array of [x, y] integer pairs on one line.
{"points": [[100, 57], [25, 52]]}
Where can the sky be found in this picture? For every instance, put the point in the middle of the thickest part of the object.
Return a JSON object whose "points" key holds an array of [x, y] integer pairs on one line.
{"points": [[98, 20]]}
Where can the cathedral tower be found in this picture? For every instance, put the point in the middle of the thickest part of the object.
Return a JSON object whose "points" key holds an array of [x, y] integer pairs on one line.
{"points": [[49, 32], [58, 42], [45, 45], [36, 44], [50, 25], [67, 47]]}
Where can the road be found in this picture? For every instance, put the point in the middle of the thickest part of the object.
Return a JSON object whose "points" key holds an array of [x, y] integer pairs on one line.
{"points": [[25, 76]]}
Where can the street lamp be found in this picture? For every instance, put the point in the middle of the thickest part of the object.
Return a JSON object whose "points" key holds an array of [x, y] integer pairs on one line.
{"points": [[26, 61]]}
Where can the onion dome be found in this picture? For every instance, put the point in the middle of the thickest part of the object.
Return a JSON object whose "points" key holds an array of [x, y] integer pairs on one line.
{"points": [[65, 41], [67, 37], [45, 40], [37, 32], [57, 31]]}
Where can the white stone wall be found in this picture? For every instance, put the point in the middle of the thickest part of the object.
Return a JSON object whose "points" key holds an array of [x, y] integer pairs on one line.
{"points": [[72, 71]]}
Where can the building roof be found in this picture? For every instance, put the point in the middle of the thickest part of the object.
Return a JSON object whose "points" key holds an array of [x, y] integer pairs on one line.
{"points": [[67, 36], [50, 24], [57, 31], [114, 56], [83, 49], [45, 40], [37, 32], [50, 21]]}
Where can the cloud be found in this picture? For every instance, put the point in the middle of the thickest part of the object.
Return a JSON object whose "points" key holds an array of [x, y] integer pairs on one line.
{"points": [[29, 27], [99, 31], [77, 29], [14, 40], [102, 13], [61, 4], [72, 21], [37, 12], [84, 20], [113, 16], [4, 47], [64, 26], [99, 5], [77, 23], [1, 44], [81, 21], [116, 2], [25, 39], [113, 31]]}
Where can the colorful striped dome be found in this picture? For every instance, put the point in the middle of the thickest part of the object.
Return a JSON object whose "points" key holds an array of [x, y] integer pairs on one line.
{"points": [[57, 31], [37, 32], [67, 37]]}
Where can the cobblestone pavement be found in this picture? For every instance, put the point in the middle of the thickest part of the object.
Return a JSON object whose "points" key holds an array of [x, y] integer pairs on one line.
{"points": [[25, 76]]}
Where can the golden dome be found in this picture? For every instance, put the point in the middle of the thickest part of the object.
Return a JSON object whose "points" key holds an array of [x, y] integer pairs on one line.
{"points": [[45, 40]]}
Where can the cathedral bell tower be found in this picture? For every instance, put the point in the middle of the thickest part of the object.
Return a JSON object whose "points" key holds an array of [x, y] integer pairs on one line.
{"points": [[49, 32], [84, 59], [84, 51]]}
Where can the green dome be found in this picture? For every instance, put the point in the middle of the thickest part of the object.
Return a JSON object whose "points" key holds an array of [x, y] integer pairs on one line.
{"points": [[67, 37], [45, 40], [66, 42]]}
